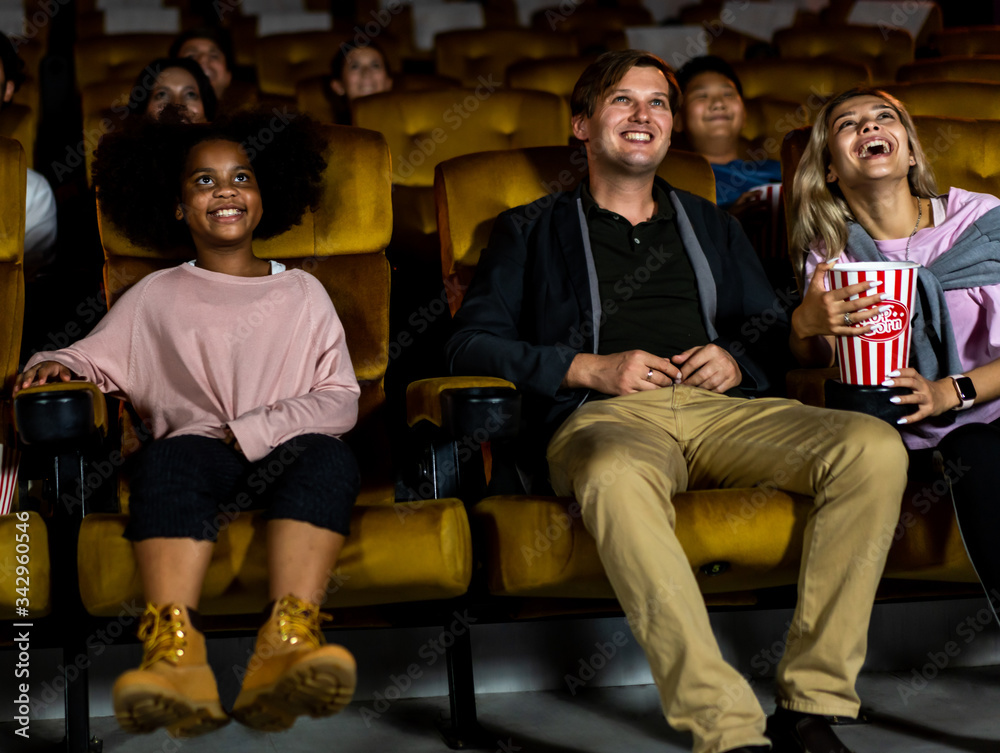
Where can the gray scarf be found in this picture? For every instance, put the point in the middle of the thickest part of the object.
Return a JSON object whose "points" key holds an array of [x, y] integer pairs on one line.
{"points": [[974, 261]]}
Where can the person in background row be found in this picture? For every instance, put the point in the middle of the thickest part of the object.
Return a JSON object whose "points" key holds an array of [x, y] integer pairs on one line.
{"points": [[358, 71], [40, 228], [653, 400], [212, 49], [711, 117], [179, 82], [865, 192]]}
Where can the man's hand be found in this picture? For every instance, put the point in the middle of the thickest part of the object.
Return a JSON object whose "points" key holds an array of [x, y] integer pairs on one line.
{"points": [[709, 367], [42, 373], [620, 373]]}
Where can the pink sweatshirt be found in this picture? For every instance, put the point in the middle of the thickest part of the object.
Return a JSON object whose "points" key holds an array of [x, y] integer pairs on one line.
{"points": [[195, 350], [974, 312]]}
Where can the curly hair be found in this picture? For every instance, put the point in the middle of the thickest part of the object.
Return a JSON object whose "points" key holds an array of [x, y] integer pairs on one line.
{"points": [[138, 172], [138, 100]]}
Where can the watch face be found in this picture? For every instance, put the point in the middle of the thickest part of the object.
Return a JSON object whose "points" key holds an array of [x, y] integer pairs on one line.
{"points": [[966, 387]]}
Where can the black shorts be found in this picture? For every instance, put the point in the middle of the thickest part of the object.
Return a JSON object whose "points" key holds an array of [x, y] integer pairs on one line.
{"points": [[192, 487]]}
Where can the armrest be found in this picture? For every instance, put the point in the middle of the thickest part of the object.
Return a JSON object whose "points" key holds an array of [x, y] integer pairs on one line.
{"points": [[423, 397], [60, 415], [454, 418]]}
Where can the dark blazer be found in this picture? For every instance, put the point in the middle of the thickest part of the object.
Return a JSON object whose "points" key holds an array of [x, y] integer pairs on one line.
{"points": [[530, 309]]}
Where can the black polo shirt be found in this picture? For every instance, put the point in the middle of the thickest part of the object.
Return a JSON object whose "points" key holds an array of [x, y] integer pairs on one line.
{"points": [[646, 284]]}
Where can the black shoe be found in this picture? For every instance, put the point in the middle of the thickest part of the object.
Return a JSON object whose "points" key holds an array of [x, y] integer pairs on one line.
{"points": [[753, 749], [795, 732]]}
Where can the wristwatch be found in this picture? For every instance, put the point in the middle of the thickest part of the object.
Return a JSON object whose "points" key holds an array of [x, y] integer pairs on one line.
{"points": [[966, 391]]}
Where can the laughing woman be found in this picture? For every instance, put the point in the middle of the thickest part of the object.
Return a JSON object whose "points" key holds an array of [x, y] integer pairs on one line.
{"points": [[220, 407], [864, 192]]}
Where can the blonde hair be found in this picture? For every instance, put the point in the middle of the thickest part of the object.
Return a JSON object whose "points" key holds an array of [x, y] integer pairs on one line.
{"points": [[818, 210]]}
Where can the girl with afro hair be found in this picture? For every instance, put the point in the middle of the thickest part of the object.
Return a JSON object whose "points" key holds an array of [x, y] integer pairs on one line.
{"points": [[221, 405]]}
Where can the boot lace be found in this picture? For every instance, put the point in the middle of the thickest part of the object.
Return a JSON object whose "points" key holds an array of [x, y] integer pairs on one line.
{"points": [[299, 622], [163, 635]]}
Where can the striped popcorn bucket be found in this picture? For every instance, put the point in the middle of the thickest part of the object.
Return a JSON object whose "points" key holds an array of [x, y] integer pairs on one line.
{"points": [[868, 359]]}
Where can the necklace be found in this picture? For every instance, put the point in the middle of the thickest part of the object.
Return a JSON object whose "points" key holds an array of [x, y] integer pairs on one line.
{"points": [[920, 215]]}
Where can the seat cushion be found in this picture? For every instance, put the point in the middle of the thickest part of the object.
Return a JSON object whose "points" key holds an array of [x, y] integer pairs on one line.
{"points": [[395, 553], [743, 538], [38, 577], [736, 540]]}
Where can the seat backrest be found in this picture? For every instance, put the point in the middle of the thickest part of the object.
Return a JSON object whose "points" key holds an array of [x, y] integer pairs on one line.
{"points": [[284, 59], [470, 191], [805, 81], [557, 75], [17, 122], [342, 244], [121, 56], [314, 97], [967, 41], [474, 55], [962, 152], [426, 127], [882, 50], [592, 25], [955, 99], [979, 68], [768, 120], [13, 167]]}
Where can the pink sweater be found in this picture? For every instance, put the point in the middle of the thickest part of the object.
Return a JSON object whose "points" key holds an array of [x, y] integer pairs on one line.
{"points": [[195, 350]]}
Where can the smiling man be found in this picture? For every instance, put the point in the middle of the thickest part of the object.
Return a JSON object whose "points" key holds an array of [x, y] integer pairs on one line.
{"points": [[623, 310]]}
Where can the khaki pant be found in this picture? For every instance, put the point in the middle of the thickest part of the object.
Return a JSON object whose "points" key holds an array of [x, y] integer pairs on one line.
{"points": [[624, 458]]}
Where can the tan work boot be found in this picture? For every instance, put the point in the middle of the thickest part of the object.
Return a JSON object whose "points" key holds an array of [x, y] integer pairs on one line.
{"points": [[292, 672], [174, 687]]}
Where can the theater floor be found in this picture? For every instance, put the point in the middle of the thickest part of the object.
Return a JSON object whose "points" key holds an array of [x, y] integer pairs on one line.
{"points": [[957, 710]]}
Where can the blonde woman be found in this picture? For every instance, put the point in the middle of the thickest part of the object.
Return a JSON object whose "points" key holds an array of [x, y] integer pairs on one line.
{"points": [[864, 192]]}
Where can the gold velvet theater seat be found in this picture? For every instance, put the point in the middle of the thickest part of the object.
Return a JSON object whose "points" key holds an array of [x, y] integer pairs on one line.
{"points": [[314, 97], [383, 561], [121, 56], [284, 59], [17, 122], [557, 75], [953, 99], [967, 41], [882, 50], [475, 56], [979, 68], [805, 81], [424, 128], [595, 27], [32, 531], [468, 202], [737, 541]]}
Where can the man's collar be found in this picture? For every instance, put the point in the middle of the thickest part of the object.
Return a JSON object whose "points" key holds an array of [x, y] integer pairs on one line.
{"points": [[664, 209]]}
